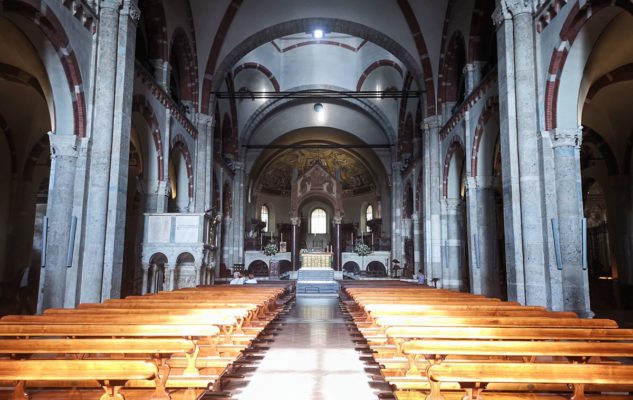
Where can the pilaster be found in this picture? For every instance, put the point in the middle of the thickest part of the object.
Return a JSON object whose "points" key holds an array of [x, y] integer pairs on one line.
{"points": [[432, 221], [396, 211]]}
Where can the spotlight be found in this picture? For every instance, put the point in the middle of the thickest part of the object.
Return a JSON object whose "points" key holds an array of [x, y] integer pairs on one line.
{"points": [[318, 33], [318, 108]]}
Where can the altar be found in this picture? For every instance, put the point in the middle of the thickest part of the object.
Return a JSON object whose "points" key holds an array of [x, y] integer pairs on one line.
{"points": [[316, 260]]}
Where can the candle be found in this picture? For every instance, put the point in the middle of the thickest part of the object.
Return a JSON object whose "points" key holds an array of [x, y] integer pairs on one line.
{"points": [[282, 237]]}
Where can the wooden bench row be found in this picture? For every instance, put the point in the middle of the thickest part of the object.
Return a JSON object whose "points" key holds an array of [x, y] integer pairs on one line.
{"points": [[431, 342], [184, 339]]}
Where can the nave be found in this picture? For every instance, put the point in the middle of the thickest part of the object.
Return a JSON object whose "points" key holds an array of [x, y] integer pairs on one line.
{"points": [[378, 339]]}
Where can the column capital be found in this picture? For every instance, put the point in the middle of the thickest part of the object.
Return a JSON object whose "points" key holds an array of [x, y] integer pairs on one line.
{"points": [[130, 9], [295, 221], [432, 122], [500, 15], [396, 166], [517, 7], [63, 145], [204, 119], [453, 204], [337, 220], [145, 266], [110, 4], [480, 182], [239, 166], [567, 137]]}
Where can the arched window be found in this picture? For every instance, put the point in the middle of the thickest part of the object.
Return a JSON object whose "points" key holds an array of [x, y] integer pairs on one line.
{"points": [[264, 218], [369, 215], [318, 221]]}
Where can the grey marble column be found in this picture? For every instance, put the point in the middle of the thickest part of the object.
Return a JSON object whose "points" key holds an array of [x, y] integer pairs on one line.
{"points": [[170, 277], [566, 144], [154, 278], [483, 240], [453, 278], [238, 211], [145, 268], [396, 211], [417, 243], [119, 165], [203, 189], [296, 223], [59, 213], [337, 244], [433, 223], [100, 153]]}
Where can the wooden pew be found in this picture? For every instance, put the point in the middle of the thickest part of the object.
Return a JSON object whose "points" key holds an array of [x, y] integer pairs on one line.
{"points": [[111, 374], [473, 377]]}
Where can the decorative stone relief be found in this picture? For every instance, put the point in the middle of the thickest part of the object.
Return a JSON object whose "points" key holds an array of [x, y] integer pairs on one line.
{"points": [[567, 137]]}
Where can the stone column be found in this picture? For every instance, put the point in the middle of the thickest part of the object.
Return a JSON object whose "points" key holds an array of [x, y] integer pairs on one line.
{"points": [[483, 240], [170, 277], [472, 72], [162, 73], [454, 249], [296, 223], [238, 211], [417, 242], [154, 277], [203, 189], [100, 152], [145, 268], [117, 201], [433, 221], [60, 213], [396, 211], [337, 244], [566, 144]]}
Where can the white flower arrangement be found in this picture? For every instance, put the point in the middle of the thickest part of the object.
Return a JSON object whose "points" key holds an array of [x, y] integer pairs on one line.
{"points": [[270, 249], [362, 249]]}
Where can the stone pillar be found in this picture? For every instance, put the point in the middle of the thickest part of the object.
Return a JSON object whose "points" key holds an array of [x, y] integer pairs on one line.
{"points": [[396, 211], [337, 244], [203, 189], [483, 241], [296, 223], [162, 73], [59, 212], [524, 221], [433, 225], [145, 268], [154, 278], [170, 277], [238, 211], [117, 201], [417, 242], [472, 72], [454, 246], [566, 144]]}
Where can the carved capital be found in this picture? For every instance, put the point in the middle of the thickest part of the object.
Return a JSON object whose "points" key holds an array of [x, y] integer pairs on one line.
{"points": [[110, 4], [453, 204], [130, 8], [62, 145], [517, 7], [567, 137], [337, 220], [432, 123], [480, 182], [239, 166], [295, 221], [500, 15], [204, 120]]}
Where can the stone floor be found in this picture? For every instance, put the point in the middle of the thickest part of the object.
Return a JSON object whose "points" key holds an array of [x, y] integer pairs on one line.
{"points": [[312, 358]]}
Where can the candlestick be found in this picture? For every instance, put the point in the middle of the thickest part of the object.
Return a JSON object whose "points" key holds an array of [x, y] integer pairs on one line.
{"points": [[282, 237]]}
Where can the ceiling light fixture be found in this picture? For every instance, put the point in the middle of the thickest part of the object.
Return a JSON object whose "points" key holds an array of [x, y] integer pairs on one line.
{"points": [[318, 33], [318, 108]]}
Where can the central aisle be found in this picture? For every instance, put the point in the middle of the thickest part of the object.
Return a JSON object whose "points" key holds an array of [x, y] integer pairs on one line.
{"points": [[312, 358]]}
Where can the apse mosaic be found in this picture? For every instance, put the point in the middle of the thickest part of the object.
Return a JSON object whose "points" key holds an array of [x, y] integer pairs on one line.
{"points": [[277, 177]]}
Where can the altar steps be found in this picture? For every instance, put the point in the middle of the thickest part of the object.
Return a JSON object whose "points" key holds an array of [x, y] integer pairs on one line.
{"points": [[316, 282]]}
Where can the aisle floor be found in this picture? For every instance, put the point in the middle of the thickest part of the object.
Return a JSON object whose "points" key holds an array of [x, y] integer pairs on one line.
{"points": [[312, 358]]}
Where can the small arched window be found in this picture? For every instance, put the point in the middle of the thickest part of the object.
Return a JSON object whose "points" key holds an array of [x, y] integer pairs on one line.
{"points": [[369, 215], [264, 218], [318, 221]]}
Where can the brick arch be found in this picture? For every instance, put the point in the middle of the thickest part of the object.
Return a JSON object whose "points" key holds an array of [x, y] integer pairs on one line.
{"points": [[153, 15], [261, 68], [143, 107], [375, 65], [590, 136], [215, 72], [490, 109], [480, 31], [178, 142], [456, 144], [621, 74], [574, 23], [36, 12], [449, 78], [181, 52]]}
